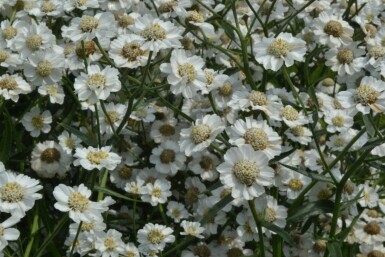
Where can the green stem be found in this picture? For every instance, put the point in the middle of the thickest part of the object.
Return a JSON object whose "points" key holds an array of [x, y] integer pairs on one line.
{"points": [[35, 228], [259, 228], [76, 238], [103, 183]]}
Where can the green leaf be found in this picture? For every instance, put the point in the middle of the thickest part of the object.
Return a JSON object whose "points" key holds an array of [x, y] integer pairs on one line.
{"points": [[282, 156], [314, 176], [281, 232], [51, 236], [334, 249], [6, 139], [216, 208], [116, 194], [84, 137], [369, 125], [310, 209]]}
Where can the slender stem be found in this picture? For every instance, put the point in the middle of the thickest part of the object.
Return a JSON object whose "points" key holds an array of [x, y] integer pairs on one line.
{"points": [[76, 238], [103, 183], [35, 228], [259, 228], [98, 126]]}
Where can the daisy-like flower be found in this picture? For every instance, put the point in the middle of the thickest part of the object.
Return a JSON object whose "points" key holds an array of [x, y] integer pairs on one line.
{"points": [[144, 112], [96, 158], [328, 86], [293, 183], [339, 120], [18, 193], [157, 34], [75, 200], [97, 84], [201, 135], [372, 232], [70, 5], [8, 59], [122, 175], [33, 38], [257, 134], [68, 142], [110, 244], [162, 130], [300, 134], [246, 172], [11, 86], [112, 118], [157, 192], [176, 211], [290, 116], [370, 94], [9, 32], [127, 51], [272, 53], [44, 67], [49, 158], [7, 233], [102, 25], [332, 30], [35, 122], [192, 229], [345, 60], [185, 74], [268, 209], [54, 91], [204, 164], [155, 236], [167, 158]]}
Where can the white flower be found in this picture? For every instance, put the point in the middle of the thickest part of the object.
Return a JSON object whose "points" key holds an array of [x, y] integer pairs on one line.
{"points": [[246, 172], [75, 200], [143, 113], [157, 34], [369, 95], [345, 60], [130, 250], [176, 211], [162, 130], [167, 158], [127, 51], [44, 67], [201, 135], [114, 114], [192, 229], [102, 25], [185, 74], [290, 116], [11, 86], [36, 122], [268, 209], [155, 236], [18, 193], [96, 158], [97, 84], [110, 243], [204, 164], [300, 134], [157, 193], [272, 53], [7, 233], [10, 32], [49, 158], [339, 120], [293, 183], [257, 134], [332, 30], [69, 142], [54, 91], [371, 233]]}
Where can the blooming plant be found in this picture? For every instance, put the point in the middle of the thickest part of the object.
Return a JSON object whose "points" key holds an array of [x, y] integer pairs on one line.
{"points": [[192, 128]]}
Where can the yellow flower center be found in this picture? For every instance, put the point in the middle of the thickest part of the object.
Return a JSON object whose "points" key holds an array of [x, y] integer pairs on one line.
{"points": [[338, 121], [295, 184], [279, 48], [37, 122], [88, 23], [78, 202], [226, 89], [246, 171], [187, 70], [155, 236], [320, 246], [4, 55], [206, 163], [110, 243], [345, 56], [202, 251], [257, 138], [298, 131], [44, 68], [8, 83], [366, 95], [47, 7], [195, 16], [9, 33], [125, 172], [12, 192], [167, 130], [154, 32], [328, 82], [167, 156], [96, 157], [376, 52], [97, 80], [257, 98], [131, 51], [372, 228], [334, 28], [290, 113], [34, 42], [200, 133]]}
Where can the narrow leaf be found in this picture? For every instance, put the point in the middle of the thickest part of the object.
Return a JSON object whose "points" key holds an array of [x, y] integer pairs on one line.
{"points": [[216, 208], [84, 137], [334, 249], [310, 209]]}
